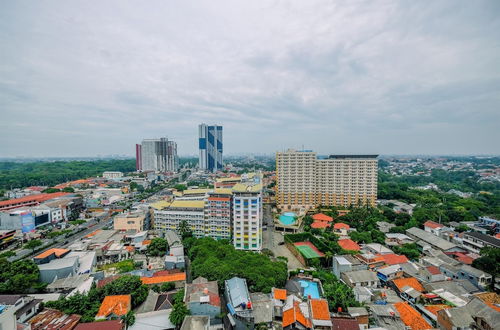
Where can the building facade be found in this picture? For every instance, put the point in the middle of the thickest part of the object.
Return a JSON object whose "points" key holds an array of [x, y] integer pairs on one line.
{"points": [[159, 155], [305, 181], [130, 221], [247, 216], [218, 213], [210, 147]]}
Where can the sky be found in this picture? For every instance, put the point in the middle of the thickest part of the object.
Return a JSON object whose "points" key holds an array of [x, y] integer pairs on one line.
{"points": [[85, 78]]}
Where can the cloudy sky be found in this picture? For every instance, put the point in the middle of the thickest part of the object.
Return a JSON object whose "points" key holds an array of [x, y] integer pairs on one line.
{"points": [[81, 78]]}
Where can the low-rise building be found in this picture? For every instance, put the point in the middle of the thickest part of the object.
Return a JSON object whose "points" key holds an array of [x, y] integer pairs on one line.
{"points": [[365, 278], [389, 273], [433, 227], [23, 306], [114, 307], [426, 240], [346, 263], [474, 241], [112, 174], [54, 319], [202, 298], [130, 221]]}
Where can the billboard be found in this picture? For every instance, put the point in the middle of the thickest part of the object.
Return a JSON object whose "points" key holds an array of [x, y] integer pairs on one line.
{"points": [[27, 222]]}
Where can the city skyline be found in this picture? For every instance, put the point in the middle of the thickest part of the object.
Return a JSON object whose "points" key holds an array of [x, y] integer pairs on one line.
{"points": [[84, 79]]}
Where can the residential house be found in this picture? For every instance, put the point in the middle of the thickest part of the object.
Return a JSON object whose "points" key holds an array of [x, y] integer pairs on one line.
{"points": [[397, 239], [344, 323], [360, 314], [426, 240], [391, 259], [238, 302], [384, 226], [54, 319], [202, 298], [370, 260], [114, 307], [179, 279], [346, 263], [23, 306], [153, 320], [196, 322], [320, 314], [386, 316], [295, 314], [103, 325], [477, 277], [433, 227], [389, 273], [321, 220], [409, 289], [364, 278], [341, 229], [349, 245], [410, 317], [376, 248], [474, 241]]}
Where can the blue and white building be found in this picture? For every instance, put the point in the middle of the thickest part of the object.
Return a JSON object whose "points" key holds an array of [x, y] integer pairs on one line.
{"points": [[210, 145]]}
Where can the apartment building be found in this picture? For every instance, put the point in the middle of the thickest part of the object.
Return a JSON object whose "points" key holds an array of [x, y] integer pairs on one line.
{"points": [[130, 221], [159, 155], [218, 213], [247, 215], [474, 241], [305, 181], [168, 216]]}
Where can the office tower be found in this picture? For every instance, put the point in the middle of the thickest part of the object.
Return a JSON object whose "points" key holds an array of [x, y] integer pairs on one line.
{"points": [[157, 155], [304, 181], [210, 145], [138, 157], [247, 214]]}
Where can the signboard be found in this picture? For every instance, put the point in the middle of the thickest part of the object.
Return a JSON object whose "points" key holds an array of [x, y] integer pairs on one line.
{"points": [[27, 222]]}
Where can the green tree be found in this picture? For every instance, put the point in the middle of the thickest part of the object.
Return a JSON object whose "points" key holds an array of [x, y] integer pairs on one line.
{"points": [[489, 262], [128, 318], [51, 190], [33, 244], [180, 187], [18, 276], [158, 247], [179, 312], [185, 230], [68, 190]]}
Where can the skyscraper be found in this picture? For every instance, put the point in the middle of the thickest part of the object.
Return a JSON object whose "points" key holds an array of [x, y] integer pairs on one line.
{"points": [[210, 145], [157, 155]]}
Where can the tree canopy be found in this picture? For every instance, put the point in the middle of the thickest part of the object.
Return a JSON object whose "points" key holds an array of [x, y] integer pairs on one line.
{"points": [[219, 260], [158, 247], [18, 276]]}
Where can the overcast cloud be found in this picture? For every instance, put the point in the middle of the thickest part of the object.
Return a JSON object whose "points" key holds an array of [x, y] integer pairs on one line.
{"points": [[81, 78]]}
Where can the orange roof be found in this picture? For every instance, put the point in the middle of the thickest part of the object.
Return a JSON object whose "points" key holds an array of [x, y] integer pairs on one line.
{"points": [[32, 198], [117, 305], [146, 242], [319, 308], [432, 224], [320, 225], [57, 252], [164, 278], [130, 248], [497, 236], [93, 233], [322, 217], [393, 259], [434, 309], [341, 225], [410, 281], [411, 317], [348, 244], [293, 315], [279, 294]]}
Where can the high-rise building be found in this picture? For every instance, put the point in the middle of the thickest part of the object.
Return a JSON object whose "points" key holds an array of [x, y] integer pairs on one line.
{"points": [[305, 181], [157, 155], [138, 157], [210, 145], [247, 214]]}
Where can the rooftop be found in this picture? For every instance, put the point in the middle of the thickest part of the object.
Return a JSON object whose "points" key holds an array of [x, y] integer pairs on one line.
{"points": [[51, 319], [279, 294], [102, 325], [393, 259], [348, 244], [486, 238], [117, 305], [164, 278], [411, 317], [322, 217], [432, 224], [58, 253], [430, 238], [410, 281]]}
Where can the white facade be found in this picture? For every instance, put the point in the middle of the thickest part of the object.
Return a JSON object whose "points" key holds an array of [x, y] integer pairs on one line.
{"points": [[247, 217], [112, 174], [159, 155]]}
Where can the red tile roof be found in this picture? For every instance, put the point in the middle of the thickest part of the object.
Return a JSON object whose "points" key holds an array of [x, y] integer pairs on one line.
{"points": [[432, 224], [293, 315], [341, 323], [348, 244], [117, 305], [279, 294], [411, 317], [319, 309], [433, 270], [393, 259], [322, 217], [410, 281], [341, 225], [164, 278], [103, 325], [320, 225], [436, 308]]}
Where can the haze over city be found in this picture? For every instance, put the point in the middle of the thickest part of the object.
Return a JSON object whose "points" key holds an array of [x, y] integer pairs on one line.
{"points": [[387, 77]]}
